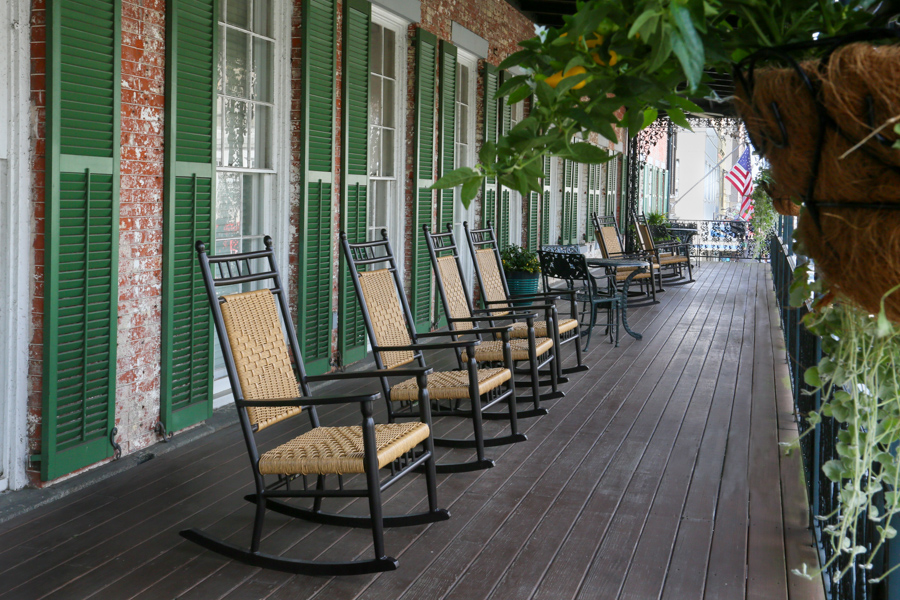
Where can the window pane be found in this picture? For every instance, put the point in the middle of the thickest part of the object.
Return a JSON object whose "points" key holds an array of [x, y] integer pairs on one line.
{"points": [[236, 50], [262, 17], [228, 211], [220, 137], [237, 13], [220, 62], [462, 88], [262, 70], [463, 134], [375, 100], [374, 150], [389, 102], [388, 67], [259, 152], [462, 156], [387, 153], [375, 48], [234, 142]]}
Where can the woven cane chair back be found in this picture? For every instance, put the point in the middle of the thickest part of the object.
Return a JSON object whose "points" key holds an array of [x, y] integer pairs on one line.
{"points": [[260, 354], [458, 305], [607, 233], [386, 315], [490, 277]]}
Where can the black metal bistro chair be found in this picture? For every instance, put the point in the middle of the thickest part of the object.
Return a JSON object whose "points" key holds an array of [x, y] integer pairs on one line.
{"points": [[462, 316], [496, 297], [671, 255], [572, 269], [270, 386], [609, 239], [395, 343]]}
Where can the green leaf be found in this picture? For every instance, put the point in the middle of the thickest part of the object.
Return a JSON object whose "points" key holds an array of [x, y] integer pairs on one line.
{"points": [[511, 84], [811, 377], [454, 178], [650, 115], [520, 94], [833, 470], [687, 45], [569, 82], [649, 18], [514, 59], [488, 153], [586, 153], [676, 115], [470, 190]]}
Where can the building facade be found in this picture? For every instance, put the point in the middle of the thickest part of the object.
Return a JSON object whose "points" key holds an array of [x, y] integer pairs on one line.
{"points": [[133, 128]]}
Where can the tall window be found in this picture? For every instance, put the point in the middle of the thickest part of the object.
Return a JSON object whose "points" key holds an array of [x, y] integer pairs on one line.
{"points": [[385, 132], [245, 185], [466, 70], [245, 111], [517, 113]]}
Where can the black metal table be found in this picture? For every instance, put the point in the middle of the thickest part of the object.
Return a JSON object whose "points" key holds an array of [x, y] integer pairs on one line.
{"points": [[639, 266]]}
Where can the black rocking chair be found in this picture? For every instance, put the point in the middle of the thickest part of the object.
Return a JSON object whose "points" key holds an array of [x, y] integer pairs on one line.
{"points": [[496, 297], [462, 316], [395, 343], [270, 385]]}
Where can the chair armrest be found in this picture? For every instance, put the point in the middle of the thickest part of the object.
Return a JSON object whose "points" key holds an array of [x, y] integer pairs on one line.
{"points": [[310, 400], [537, 296], [441, 346], [407, 372], [512, 314], [486, 318]]}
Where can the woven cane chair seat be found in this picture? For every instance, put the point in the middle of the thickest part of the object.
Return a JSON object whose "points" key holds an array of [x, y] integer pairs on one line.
{"points": [[338, 450], [520, 330], [450, 385], [673, 259], [493, 350], [260, 354], [623, 275]]}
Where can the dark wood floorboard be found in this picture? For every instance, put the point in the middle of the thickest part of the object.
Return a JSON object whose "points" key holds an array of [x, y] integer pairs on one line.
{"points": [[657, 476]]}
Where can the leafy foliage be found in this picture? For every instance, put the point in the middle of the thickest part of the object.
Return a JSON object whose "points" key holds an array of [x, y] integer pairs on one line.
{"points": [[618, 63], [859, 377], [764, 219], [516, 258], [659, 224]]}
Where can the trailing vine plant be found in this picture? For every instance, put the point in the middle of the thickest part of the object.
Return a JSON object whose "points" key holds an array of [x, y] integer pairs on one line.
{"points": [[859, 381], [764, 218]]}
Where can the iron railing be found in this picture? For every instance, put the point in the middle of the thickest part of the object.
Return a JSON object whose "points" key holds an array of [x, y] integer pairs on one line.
{"points": [[721, 240], [818, 447]]}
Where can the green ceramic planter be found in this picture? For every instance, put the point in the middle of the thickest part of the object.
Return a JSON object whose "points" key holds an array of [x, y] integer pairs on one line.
{"points": [[522, 284]]}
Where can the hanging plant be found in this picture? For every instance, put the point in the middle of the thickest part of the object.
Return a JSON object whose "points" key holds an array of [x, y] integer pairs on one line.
{"points": [[859, 379], [764, 218]]}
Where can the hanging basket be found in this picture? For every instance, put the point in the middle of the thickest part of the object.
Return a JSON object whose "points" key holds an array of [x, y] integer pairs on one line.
{"points": [[782, 205], [806, 120]]}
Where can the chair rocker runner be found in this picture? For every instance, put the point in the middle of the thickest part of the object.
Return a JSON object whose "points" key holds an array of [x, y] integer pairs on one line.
{"points": [[497, 300], [462, 317], [267, 391], [606, 231], [671, 255], [391, 330]]}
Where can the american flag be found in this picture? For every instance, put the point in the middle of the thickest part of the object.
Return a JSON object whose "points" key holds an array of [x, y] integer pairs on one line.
{"points": [[741, 177]]}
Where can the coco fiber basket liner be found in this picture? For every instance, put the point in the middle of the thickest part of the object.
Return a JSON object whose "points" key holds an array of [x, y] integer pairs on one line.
{"points": [[806, 120]]}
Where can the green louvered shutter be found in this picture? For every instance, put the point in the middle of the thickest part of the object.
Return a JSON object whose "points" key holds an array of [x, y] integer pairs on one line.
{"points": [[533, 202], [594, 192], [489, 193], [317, 68], [504, 205], [666, 192], [545, 202], [81, 233], [566, 219], [189, 189], [354, 182], [612, 185], [423, 167], [447, 132]]}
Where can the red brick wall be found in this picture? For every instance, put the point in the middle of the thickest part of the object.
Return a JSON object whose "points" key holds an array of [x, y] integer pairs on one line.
{"points": [[140, 222]]}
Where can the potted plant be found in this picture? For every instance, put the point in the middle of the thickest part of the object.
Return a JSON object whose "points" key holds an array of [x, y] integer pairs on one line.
{"points": [[659, 227], [522, 270]]}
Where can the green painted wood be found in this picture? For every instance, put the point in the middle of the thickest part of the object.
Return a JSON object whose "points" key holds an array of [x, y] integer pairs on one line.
{"points": [[490, 81], [186, 369], [533, 220], [447, 129], [546, 207], [318, 64], [81, 235], [569, 217], [425, 103], [354, 157]]}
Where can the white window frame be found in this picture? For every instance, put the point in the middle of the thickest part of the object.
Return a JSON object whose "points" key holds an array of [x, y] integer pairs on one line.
{"points": [[517, 113], [396, 213], [461, 214], [16, 228], [556, 192], [277, 221]]}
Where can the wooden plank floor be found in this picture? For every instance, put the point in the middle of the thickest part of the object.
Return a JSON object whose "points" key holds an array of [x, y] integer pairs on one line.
{"points": [[657, 476]]}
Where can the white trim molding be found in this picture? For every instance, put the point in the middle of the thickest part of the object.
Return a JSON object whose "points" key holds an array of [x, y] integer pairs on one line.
{"points": [[16, 229]]}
